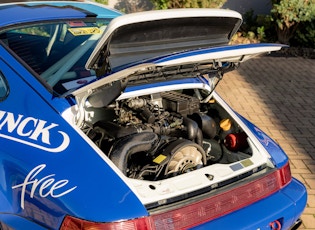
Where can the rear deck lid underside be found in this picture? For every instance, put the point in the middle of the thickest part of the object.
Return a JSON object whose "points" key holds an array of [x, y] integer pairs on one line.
{"points": [[141, 36]]}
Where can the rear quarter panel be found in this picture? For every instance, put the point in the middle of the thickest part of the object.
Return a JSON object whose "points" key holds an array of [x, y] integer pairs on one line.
{"points": [[47, 169], [277, 154]]}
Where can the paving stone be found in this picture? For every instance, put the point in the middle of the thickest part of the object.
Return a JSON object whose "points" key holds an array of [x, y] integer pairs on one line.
{"points": [[311, 201], [308, 221], [310, 182]]}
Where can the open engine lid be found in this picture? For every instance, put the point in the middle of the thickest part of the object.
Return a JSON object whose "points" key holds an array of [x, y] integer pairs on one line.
{"points": [[148, 42], [139, 36]]}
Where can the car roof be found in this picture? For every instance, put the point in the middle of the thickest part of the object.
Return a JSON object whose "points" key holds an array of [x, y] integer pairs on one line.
{"points": [[25, 12]]}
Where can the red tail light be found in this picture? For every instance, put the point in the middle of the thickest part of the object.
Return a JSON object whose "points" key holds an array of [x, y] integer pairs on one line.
{"points": [[199, 212]]}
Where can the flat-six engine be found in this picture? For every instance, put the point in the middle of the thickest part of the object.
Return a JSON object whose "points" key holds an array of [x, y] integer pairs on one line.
{"points": [[166, 134]]}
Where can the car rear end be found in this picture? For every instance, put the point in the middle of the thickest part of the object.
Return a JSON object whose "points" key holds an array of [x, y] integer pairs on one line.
{"points": [[253, 192], [190, 159], [151, 119]]}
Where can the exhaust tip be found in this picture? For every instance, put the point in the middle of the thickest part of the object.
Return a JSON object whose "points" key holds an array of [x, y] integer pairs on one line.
{"points": [[296, 225]]}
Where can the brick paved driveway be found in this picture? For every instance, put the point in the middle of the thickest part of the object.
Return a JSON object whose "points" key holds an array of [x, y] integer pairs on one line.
{"points": [[278, 95]]}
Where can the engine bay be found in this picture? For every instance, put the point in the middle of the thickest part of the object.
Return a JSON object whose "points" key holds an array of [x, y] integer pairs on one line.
{"points": [[162, 135]]}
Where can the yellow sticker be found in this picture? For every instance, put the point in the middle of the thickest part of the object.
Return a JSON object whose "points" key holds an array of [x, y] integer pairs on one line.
{"points": [[247, 162], [84, 31], [159, 159]]}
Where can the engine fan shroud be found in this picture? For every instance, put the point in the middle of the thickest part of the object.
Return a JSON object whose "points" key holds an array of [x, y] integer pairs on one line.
{"points": [[184, 156]]}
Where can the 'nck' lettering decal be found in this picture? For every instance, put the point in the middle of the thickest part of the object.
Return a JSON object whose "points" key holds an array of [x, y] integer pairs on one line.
{"points": [[33, 132], [46, 186]]}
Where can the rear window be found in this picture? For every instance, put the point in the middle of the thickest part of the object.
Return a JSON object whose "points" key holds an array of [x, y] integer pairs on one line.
{"points": [[57, 51]]}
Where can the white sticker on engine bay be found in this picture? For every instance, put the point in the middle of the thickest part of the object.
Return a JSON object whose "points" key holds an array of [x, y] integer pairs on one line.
{"points": [[33, 132]]}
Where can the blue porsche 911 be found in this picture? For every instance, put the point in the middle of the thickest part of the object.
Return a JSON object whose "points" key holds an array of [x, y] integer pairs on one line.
{"points": [[111, 121]]}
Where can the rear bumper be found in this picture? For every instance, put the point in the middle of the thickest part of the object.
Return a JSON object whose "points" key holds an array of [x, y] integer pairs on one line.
{"points": [[284, 206]]}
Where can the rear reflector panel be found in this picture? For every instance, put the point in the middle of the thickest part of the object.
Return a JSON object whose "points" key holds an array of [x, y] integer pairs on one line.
{"points": [[199, 212]]}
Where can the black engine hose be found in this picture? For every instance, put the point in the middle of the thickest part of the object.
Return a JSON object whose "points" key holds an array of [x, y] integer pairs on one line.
{"points": [[206, 123], [193, 131], [125, 147]]}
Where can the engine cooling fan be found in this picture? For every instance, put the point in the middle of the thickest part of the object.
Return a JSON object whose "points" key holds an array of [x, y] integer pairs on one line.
{"points": [[184, 156]]}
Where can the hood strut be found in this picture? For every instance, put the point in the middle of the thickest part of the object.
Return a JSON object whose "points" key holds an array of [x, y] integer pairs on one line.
{"points": [[220, 71]]}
